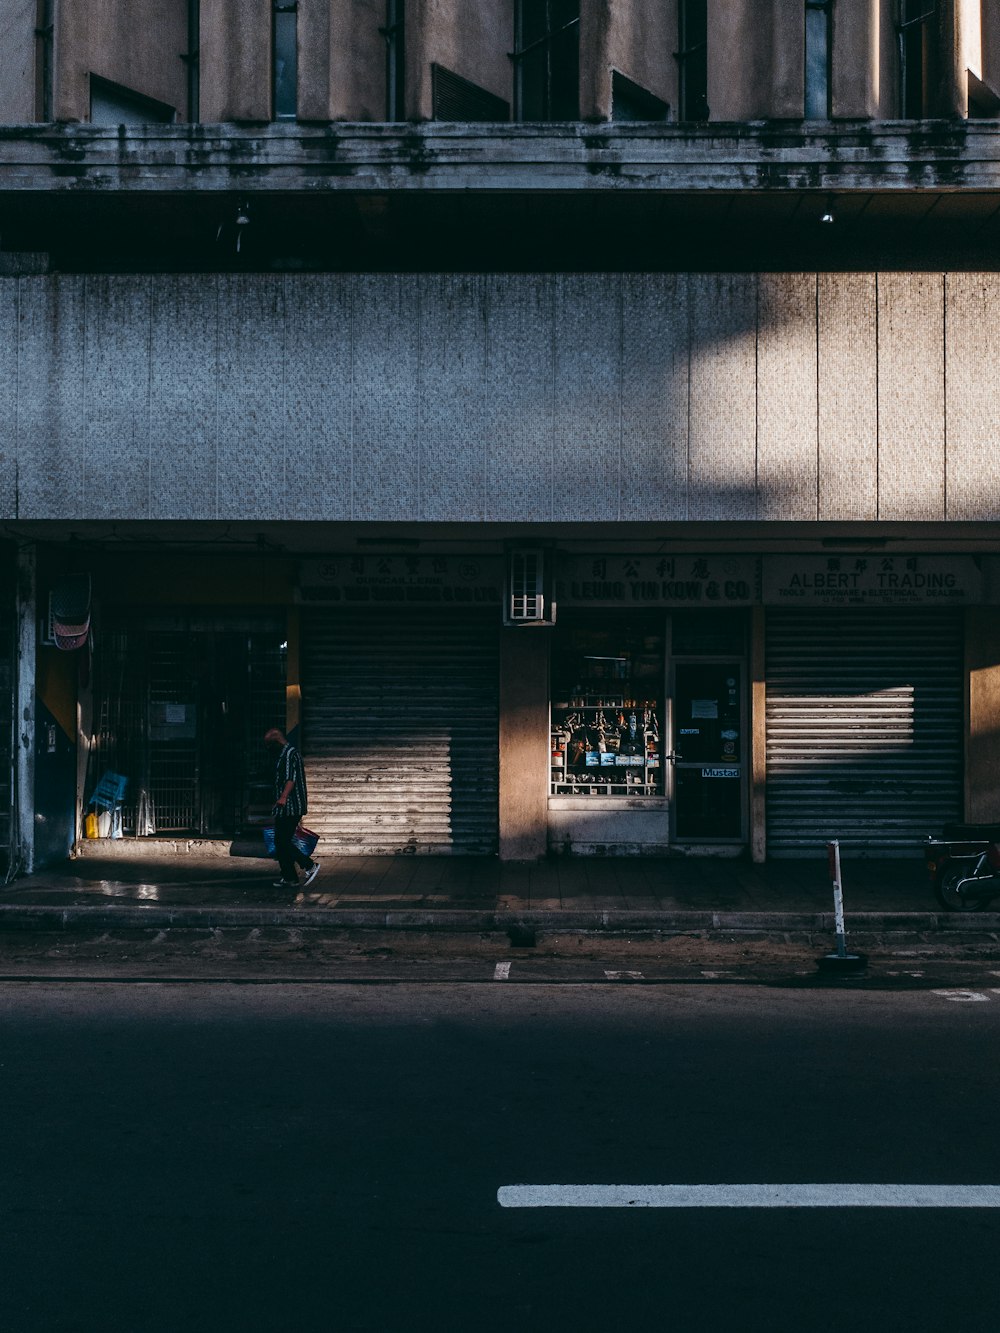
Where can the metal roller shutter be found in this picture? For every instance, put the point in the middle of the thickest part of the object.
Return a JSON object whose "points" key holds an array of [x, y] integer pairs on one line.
{"points": [[400, 732], [864, 728]]}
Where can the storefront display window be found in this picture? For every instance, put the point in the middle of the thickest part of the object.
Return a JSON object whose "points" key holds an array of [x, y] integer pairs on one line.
{"points": [[607, 707]]}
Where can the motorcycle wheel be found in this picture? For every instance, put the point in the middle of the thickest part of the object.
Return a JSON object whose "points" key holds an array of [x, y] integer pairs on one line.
{"points": [[948, 894]]}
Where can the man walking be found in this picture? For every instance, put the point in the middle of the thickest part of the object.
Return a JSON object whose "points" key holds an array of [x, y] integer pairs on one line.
{"points": [[289, 807]]}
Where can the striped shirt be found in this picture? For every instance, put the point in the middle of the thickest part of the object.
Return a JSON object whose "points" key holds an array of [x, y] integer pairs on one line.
{"points": [[290, 768]]}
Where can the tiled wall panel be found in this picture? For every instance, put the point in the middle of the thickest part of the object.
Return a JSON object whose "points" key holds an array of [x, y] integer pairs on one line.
{"points": [[452, 397], [51, 404], [318, 396], [505, 398], [183, 398], [910, 396], [587, 398], [654, 397], [787, 471], [386, 482], [973, 401], [519, 415], [116, 395], [250, 433], [848, 397], [722, 448]]}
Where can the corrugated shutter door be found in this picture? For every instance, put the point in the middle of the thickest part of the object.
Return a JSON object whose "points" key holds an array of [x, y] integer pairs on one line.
{"points": [[864, 728], [400, 732]]}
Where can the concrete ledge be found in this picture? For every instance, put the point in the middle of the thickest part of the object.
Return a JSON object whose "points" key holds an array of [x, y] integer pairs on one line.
{"points": [[16, 916], [347, 157], [141, 849]]}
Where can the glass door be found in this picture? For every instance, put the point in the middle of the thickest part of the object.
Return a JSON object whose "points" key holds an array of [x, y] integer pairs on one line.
{"points": [[708, 752]]}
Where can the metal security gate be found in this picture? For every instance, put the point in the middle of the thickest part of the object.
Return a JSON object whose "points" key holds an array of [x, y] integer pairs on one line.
{"points": [[181, 703], [400, 732], [864, 728]]}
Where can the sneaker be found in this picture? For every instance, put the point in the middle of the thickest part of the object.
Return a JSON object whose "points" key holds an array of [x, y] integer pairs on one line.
{"points": [[311, 873], [286, 883]]}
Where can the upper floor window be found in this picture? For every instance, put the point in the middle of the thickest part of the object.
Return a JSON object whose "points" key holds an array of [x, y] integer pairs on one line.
{"points": [[692, 59], [819, 25], [547, 60], [394, 33], [916, 56], [284, 67]]}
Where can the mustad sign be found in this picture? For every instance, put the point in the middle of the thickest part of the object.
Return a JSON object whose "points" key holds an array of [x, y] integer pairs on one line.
{"points": [[871, 580]]}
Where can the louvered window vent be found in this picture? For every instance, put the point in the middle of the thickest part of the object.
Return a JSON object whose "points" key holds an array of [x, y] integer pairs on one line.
{"points": [[456, 99]]}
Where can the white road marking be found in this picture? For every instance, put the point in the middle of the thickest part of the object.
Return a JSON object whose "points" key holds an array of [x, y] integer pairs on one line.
{"points": [[501, 972], [623, 976], [749, 1196], [962, 996]]}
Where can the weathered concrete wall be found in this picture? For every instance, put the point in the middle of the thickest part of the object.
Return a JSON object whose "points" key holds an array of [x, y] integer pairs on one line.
{"points": [[855, 67], [991, 43], [341, 60], [501, 397], [755, 55], [17, 61], [756, 65], [135, 43], [235, 63], [637, 38], [471, 40]]}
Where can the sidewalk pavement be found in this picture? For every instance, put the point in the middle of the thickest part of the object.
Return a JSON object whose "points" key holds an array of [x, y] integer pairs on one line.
{"points": [[472, 893]]}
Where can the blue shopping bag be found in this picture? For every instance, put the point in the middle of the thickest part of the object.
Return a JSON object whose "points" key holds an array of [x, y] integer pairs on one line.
{"points": [[303, 838]]}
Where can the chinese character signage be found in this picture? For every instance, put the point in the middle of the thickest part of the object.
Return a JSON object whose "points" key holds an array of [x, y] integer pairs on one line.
{"points": [[657, 580], [871, 580], [402, 580]]}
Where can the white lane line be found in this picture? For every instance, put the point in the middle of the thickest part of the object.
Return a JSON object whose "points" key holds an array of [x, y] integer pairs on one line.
{"points": [[749, 1196], [622, 976], [961, 996], [501, 972]]}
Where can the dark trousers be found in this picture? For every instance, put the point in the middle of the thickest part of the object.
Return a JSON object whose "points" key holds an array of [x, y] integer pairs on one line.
{"points": [[287, 853]]}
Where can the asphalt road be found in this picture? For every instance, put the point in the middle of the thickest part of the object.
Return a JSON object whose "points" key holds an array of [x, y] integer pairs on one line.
{"points": [[219, 1156]]}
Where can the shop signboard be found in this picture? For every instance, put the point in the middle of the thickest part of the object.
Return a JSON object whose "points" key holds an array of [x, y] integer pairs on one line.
{"points": [[657, 580], [458, 581], [871, 580]]}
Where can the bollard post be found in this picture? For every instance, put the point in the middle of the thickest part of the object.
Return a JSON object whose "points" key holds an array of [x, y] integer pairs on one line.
{"points": [[841, 961], [833, 855]]}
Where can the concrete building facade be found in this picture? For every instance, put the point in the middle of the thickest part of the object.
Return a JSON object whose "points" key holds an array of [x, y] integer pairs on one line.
{"points": [[576, 423]]}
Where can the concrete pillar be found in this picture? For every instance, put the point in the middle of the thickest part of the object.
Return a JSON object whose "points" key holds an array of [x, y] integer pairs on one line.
{"points": [[134, 43], [524, 743], [235, 60], [342, 55], [855, 61], [23, 831], [638, 38], [595, 59], [17, 69], [982, 758], [471, 40], [758, 740], [756, 62], [952, 98]]}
